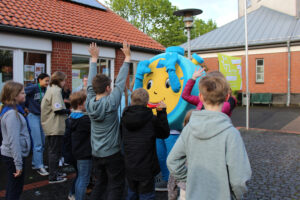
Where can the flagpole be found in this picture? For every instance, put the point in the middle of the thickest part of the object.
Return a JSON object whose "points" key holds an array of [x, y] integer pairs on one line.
{"points": [[246, 56]]}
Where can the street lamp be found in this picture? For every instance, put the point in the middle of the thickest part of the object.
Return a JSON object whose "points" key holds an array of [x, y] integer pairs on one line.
{"points": [[188, 18]]}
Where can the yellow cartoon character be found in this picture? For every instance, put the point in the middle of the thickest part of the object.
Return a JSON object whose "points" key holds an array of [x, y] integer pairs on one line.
{"points": [[164, 77]]}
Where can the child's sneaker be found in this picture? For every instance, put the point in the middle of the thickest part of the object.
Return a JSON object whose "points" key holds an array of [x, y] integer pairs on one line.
{"points": [[58, 180], [62, 175], [71, 197], [160, 184], [42, 171]]}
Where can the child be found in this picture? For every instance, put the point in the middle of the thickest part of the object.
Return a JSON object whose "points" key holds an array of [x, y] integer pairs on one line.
{"points": [[34, 96], [102, 106], [140, 128], [53, 116], [16, 138], [173, 184], [80, 127], [218, 165], [228, 106]]}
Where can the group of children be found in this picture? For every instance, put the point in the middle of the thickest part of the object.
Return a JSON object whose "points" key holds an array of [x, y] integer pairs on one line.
{"points": [[208, 160]]}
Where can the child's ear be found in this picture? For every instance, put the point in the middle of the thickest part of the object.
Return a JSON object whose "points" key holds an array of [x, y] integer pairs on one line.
{"points": [[201, 97], [227, 97]]}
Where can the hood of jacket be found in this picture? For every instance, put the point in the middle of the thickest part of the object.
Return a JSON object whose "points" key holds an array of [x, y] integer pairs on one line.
{"points": [[97, 109], [135, 117], [206, 124]]}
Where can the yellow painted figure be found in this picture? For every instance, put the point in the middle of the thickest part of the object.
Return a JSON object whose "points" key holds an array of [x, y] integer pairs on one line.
{"points": [[164, 77]]}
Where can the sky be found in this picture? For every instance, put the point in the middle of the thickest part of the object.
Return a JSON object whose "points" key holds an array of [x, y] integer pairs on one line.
{"points": [[220, 11]]}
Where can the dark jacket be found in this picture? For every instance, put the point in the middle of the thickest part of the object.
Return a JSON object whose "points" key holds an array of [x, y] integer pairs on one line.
{"points": [[33, 98], [81, 136], [140, 128]]}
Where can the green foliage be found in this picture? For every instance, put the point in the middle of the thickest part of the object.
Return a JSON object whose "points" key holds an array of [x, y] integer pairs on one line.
{"points": [[156, 19]]}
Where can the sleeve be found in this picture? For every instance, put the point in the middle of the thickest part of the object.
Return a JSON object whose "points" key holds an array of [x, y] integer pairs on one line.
{"points": [[161, 124], [57, 101], [13, 129], [92, 74], [116, 94], [239, 168], [186, 94], [177, 159], [29, 90], [226, 108]]}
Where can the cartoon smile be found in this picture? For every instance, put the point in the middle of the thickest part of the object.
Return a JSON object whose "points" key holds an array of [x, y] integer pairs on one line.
{"points": [[158, 86]]}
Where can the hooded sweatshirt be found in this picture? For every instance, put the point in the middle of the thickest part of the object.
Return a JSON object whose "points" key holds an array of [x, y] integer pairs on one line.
{"points": [[218, 165], [105, 134], [140, 128]]}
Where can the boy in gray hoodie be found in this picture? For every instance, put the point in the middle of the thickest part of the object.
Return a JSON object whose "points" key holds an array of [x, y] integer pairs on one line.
{"points": [[102, 105], [218, 165]]}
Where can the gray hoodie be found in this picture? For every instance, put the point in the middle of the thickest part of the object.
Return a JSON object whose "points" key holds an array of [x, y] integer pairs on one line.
{"points": [[16, 139], [105, 136], [216, 156]]}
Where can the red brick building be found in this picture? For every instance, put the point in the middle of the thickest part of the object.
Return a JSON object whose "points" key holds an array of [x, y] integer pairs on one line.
{"points": [[274, 52], [53, 35]]}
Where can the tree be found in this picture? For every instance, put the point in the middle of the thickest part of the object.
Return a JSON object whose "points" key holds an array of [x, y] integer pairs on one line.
{"points": [[201, 27], [155, 18]]}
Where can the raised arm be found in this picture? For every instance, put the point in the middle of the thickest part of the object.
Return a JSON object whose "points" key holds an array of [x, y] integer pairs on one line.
{"points": [[186, 94], [94, 52]]}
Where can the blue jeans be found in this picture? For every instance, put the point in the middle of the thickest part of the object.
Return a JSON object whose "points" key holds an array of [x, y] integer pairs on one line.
{"points": [[38, 140], [142, 190], [84, 168], [163, 148]]}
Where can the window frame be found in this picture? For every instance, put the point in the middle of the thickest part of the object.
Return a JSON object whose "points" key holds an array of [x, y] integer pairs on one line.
{"points": [[259, 73]]}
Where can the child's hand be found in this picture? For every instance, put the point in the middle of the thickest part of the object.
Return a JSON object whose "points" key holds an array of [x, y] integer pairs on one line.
{"points": [[126, 51], [18, 173], [197, 73], [94, 51], [161, 106]]}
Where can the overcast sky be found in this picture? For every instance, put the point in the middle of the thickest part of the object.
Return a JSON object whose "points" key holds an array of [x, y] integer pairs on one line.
{"points": [[221, 11]]}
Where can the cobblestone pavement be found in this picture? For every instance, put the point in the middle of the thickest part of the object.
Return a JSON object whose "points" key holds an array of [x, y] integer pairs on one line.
{"points": [[275, 162]]}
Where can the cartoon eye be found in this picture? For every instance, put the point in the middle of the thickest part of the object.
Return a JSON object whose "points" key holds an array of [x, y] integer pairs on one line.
{"points": [[149, 84], [167, 83]]}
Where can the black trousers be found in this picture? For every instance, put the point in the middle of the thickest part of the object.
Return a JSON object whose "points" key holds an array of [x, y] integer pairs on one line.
{"points": [[54, 144], [110, 175], [14, 186]]}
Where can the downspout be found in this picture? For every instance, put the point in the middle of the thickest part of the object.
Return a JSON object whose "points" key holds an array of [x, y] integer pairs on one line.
{"points": [[289, 75]]}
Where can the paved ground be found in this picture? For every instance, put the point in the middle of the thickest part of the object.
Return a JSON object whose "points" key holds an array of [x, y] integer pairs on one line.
{"points": [[274, 157]]}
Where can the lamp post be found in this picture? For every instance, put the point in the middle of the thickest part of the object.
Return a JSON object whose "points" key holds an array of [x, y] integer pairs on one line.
{"points": [[188, 18]]}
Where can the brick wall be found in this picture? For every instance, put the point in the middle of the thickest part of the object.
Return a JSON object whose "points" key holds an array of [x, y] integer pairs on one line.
{"points": [[275, 74], [61, 59], [120, 57]]}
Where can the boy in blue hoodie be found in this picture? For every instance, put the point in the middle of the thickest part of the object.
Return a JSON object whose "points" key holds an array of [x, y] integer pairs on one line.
{"points": [[218, 165], [102, 105]]}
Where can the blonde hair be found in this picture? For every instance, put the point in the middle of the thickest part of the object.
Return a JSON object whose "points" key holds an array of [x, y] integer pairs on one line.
{"points": [[214, 89], [139, 97], [9, 93]]}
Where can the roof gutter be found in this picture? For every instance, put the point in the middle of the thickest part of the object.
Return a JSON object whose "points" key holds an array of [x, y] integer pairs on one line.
{"points": [[255, 46], [60, 36]]}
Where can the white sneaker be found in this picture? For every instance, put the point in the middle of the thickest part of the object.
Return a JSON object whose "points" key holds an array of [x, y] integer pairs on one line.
{"points": [[71, 197], [42, 172], [58, 180]]}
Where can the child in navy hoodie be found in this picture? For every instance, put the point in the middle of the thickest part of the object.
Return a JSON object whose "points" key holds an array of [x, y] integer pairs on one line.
{"points": [[34, 96], [80, 128]]}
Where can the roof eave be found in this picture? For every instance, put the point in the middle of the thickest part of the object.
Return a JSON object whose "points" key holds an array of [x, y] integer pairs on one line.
{"points": [[55, 35], [242, 47]]}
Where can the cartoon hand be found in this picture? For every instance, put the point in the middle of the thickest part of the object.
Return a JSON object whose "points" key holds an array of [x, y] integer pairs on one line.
{"points": [[142, 69]]}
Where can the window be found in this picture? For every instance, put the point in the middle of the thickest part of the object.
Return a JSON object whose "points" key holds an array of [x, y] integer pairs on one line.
{"points": [[6, 66], [80, 69], [34, 65], [260, 71], [132, 72]]}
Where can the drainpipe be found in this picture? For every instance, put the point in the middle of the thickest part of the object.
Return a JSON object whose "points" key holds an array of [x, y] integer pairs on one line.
{"points": [[289, 75]]}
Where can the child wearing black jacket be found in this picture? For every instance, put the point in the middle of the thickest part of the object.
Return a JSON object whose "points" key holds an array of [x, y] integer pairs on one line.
{"points": [[80, 129], [140, 128]]}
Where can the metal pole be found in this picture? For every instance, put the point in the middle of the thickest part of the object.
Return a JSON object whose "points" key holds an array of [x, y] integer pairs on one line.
{"points": [[246, 55], [289, 75], [189, 42]]}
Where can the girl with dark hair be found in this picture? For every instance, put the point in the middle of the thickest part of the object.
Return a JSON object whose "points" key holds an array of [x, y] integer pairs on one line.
{"points": [[16, 137], [35, 94]]}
